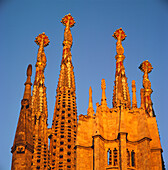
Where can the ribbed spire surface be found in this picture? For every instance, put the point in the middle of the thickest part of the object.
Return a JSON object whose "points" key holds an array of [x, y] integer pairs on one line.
{"points": [[23, 144], [121, 92], [64, 124], [39, 108]]}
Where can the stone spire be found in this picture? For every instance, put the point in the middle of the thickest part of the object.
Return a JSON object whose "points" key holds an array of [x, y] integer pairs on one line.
{"points": [[103, 87], [64, 126], [23, 144], [146, 92], [134, 101], [121, 92], [66, 78], [90, 110], [39, 108]]}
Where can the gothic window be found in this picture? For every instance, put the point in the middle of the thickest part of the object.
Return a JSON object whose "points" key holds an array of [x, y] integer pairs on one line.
{"points": [[115, 159], [109, 162], [128, 158], [133, 158]]}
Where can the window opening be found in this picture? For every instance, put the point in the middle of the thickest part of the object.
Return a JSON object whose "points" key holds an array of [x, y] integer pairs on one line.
{"points": [[109, 162], [115, 160], [133, 158]]}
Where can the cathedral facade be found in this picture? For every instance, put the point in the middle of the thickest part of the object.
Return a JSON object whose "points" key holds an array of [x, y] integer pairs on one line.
{"points": [[123, 137]]}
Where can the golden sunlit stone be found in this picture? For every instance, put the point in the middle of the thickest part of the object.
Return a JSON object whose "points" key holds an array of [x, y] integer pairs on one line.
{"points": [[123, 137]]}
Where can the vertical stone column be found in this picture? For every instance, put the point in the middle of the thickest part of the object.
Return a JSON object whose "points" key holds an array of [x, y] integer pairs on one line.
{"points": [[122, 151]]}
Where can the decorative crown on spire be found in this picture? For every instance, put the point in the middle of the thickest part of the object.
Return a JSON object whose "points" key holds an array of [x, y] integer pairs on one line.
{"points": [[42, 39], [120, 36], [146, 67], [68, 20]]}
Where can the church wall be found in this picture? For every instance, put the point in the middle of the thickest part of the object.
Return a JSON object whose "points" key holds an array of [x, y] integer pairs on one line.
{"points": [[143, 155], [156, 160], [84, 158]]}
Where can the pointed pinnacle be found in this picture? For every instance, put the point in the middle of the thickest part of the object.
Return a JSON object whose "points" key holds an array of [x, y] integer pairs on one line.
{"points": [[134, 101], [27, 92], [103, 87], [90, 98]]}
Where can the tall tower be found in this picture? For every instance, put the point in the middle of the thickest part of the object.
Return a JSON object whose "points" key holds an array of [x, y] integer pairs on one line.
{"points": [[39, 109], [22, 148], [64, 124]]}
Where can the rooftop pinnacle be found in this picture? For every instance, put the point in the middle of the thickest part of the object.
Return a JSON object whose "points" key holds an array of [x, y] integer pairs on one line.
{"points": [[103, 87]]}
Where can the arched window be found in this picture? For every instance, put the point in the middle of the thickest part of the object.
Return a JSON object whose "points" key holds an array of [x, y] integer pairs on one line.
{"points": [[109, 161], [128, 158], [133, 158], [115, 159]]}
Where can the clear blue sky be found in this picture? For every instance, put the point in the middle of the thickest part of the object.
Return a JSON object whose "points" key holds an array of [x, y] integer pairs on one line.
{"points": [[145, 23]]}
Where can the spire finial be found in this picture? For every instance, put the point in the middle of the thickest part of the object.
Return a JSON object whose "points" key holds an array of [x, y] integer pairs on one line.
{"points": [[134, 101], [90, 110], [146, 67], [68, 20], [103, 87], [120, 35], [28, 83]]}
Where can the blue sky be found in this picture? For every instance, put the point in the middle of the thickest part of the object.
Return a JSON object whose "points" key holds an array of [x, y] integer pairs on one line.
{"points": [[145, 23]]}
